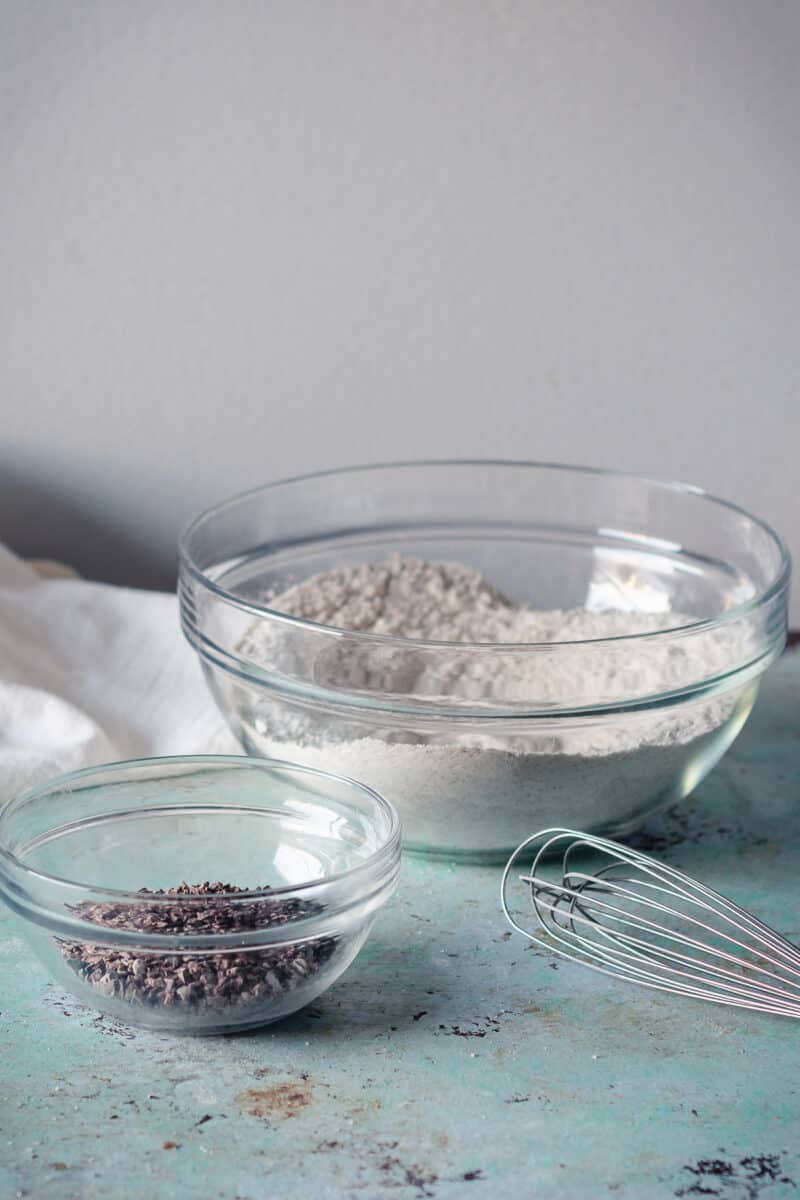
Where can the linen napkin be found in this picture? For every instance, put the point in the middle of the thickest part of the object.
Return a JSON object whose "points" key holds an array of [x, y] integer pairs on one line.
{"points": [[91, 673]]}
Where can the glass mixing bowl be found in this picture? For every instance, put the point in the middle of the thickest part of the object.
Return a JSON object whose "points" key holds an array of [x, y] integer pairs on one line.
{"points": [[312, 858], [589, 734]]}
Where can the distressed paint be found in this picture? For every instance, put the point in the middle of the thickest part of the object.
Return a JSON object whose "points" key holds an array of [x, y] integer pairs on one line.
{"points": [[451, 1059]]}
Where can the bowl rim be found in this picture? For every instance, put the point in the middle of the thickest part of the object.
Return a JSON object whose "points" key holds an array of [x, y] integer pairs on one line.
{"points": [[761, 599], [387, 853]]}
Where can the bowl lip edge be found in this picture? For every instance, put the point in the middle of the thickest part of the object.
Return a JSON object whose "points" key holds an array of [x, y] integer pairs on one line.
{"points": [[763, 598], [384, 856]]}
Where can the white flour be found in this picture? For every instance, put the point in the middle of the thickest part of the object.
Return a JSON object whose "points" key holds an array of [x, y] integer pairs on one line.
{"points": [[465, 785]]}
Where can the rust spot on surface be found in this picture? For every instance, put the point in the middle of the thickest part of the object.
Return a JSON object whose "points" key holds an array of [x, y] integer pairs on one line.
{"points": [[364, 1106], [279, 1102], [549, 1092], [547, 1016], [170, 1145], [58, 1166]]}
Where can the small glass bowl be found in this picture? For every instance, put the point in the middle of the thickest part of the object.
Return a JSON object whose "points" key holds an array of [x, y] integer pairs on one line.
{"points": [[318, 855], [591, 734]]}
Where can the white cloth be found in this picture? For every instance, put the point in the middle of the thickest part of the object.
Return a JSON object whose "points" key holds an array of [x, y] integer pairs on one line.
{"points": [[91, 673]]}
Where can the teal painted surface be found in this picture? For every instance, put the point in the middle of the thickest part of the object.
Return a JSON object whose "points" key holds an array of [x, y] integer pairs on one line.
{"points": [[450, 1060]]}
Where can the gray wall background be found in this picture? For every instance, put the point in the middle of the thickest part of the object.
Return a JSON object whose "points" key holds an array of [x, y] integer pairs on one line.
{"points": [[243, 240]]}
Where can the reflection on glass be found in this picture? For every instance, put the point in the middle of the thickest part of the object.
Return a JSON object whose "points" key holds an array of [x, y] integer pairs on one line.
{"points": [[296, 865]]}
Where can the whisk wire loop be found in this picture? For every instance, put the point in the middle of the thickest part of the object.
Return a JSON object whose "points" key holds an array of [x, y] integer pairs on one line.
{"points": [[637, 919], [661, 956], [625, 917]]}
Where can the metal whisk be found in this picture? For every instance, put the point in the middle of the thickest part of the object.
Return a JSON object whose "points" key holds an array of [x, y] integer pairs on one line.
{"points": [[625, 914]]}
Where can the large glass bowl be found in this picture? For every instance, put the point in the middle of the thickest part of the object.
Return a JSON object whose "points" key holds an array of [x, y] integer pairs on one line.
{"points": [[587, 734], [312, 856]]}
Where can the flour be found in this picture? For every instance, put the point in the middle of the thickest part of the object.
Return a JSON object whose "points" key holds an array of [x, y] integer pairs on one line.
{"points": [[466, 784]]}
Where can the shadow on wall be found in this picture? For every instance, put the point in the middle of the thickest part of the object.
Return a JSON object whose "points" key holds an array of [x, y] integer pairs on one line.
{"points": [[38, 520]]}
